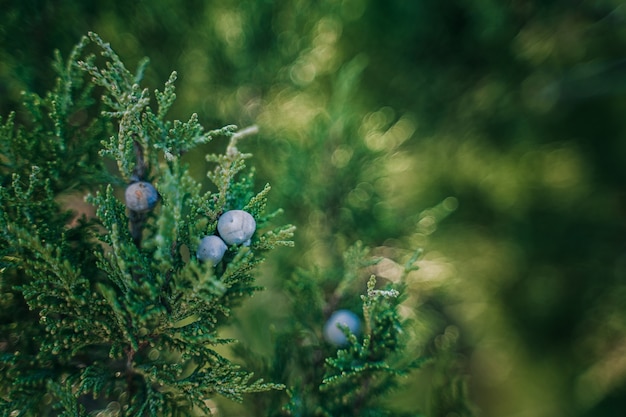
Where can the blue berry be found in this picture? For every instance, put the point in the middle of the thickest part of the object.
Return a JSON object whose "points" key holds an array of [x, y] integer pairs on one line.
{"points": [[236, 226], [333, 334], [141, 196], [212, 249]]}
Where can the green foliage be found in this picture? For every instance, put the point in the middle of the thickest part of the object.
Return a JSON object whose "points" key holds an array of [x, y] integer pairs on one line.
{"points": [[514, 108], [138, 126], [113, 313], [366, 370], [352, 380], [59, 140], [94, 309]]}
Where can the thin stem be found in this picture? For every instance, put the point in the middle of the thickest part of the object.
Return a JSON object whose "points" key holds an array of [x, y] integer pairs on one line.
{"points": [[141, 167], [136, 222], [231, 149], [248, 131]]}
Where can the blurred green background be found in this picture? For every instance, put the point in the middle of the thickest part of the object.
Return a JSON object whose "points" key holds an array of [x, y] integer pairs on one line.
{"points": [[490, 133]]}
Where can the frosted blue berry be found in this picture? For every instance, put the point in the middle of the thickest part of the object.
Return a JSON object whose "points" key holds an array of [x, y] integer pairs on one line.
{"points": [[211, 249], [141, 196], [333, 333], [236, 226]]}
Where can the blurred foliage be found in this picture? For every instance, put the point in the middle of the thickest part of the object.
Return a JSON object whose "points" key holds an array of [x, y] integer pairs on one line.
{"points": [[378, 118]]}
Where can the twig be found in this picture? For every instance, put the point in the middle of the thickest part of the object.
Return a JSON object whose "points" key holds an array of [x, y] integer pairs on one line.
{"points": [[141, 168], [231, 149]]}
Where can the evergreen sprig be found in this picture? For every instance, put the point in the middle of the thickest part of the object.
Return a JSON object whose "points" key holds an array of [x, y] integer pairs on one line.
{"points": [[57, 133], [118, 314], [329, 380], [368, 368]]}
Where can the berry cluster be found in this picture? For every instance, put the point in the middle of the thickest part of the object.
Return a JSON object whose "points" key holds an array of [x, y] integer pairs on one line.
{"points": [[235, 227]]}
